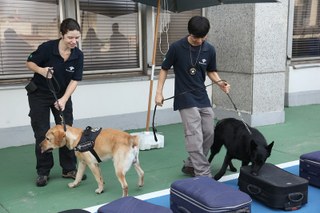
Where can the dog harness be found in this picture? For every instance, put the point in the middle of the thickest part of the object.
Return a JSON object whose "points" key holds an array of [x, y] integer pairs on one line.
{"points": [[87, 141]]}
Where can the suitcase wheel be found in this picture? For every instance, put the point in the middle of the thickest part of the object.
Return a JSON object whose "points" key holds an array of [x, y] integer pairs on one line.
{"points": [[254, 190]]}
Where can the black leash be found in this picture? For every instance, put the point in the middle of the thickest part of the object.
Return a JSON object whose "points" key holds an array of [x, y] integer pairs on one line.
{"points": [[155, 108], [54, 92], [239, 114]]}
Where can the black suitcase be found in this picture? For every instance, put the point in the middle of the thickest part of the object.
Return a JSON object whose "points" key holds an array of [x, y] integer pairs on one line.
{"points": [[274, 187], [203, 194], [132, 205], [309, 167]]}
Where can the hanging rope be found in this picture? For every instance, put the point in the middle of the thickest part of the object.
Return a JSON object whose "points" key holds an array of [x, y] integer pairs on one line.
{"points": [[164, 26]]}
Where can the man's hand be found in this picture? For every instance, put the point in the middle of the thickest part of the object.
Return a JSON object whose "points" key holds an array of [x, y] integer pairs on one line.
{"points": [[224, 86], [159, 99]]}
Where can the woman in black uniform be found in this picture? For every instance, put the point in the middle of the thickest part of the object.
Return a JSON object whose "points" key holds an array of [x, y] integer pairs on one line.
{"points": [[61, 62]]}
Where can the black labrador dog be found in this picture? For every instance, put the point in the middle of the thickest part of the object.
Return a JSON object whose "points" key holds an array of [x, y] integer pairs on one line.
{"points": [[242, 142]]}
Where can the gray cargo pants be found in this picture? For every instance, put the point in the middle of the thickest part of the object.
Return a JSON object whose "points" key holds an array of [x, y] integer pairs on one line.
{"points": [[199, 130]]}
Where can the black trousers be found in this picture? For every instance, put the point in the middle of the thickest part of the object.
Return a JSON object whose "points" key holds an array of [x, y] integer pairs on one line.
{"points": [[40, 106]]}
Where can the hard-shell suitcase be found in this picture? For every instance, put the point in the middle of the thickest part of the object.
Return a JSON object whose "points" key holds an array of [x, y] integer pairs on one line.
{"points": [[309, 167], [132, 205], [204, 194], [274, 187]]}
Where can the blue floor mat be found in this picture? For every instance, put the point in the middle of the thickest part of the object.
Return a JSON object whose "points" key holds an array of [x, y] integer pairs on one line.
{"points": [[313, 205]]}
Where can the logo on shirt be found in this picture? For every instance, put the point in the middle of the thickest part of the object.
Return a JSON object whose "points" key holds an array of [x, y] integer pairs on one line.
{"points": [[70, 69], [203, 61]]}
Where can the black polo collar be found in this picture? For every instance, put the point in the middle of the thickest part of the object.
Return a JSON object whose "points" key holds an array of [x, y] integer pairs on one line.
{"points": [[73, 55], [186, 44]]}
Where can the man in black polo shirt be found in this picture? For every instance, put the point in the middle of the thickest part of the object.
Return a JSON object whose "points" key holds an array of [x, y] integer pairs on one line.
{"points": [[192, 59], [65, 59]]}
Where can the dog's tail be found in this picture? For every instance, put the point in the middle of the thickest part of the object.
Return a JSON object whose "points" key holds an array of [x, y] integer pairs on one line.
{"points": [[134, 140]]}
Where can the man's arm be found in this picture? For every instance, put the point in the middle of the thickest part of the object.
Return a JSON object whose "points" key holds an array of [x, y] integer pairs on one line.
{"points": [[161, 80], [224, 86]]}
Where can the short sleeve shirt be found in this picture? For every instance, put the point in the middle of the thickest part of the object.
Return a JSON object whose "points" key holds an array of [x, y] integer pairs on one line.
{"points": [[47, 55], [190, 89]]}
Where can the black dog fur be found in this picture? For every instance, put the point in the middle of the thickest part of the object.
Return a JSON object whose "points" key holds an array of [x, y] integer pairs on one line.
{"points": [[240, 144]]}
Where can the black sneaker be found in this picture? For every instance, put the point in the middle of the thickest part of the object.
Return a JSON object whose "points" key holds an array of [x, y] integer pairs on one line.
{"points": [[188, 170], [72, 174], [42, 180]]}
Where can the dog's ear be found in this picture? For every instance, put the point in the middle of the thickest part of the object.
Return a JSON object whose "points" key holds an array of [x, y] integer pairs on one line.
{"points": [[62, 135], [269, 147], [59, 134]]}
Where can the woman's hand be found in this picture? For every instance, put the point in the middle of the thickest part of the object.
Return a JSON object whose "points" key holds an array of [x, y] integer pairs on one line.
{"points": [[60, 104]]}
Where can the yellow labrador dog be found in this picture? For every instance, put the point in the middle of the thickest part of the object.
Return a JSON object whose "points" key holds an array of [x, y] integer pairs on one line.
{"points": [[109, 143]]}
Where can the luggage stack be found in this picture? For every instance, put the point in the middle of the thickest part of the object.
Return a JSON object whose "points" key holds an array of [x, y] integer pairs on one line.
{"points": [[274, 187], [204, 194], [132, 205], [309, 167]]}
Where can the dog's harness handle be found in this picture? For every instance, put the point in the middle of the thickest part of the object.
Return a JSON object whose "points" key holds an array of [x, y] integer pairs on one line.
{"points": [[87, 141]]}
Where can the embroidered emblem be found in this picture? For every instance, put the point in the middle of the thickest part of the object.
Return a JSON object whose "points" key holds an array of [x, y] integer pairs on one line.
{"points": [[70, 69], [203, 61]]}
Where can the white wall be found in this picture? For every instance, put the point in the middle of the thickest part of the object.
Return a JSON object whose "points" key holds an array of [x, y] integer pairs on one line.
{"points": [[303, 85], [90, 100], [14, 107], [103, 99], [304, 78], [118, 104]]}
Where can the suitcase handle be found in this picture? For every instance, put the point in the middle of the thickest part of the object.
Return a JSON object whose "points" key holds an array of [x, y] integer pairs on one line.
{"points": [[296, 197], [252, 189], [183, 210]]}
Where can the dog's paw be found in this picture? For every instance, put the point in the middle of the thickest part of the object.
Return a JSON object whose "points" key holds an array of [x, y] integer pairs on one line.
{"points": [[73, 184], [99, 191]]}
